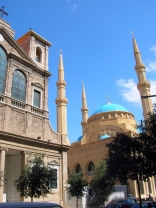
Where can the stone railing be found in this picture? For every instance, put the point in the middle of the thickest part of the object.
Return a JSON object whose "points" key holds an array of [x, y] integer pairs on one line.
{"points": [[1, 98], [37, 111], [18, 104], [23, 106]]}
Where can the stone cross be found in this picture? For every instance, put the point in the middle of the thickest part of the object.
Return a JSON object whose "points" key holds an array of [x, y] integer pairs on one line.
{"points": [[3, 12]]}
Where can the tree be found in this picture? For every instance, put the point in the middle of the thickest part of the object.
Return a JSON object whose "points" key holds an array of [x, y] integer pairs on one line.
{"points": [[35, 178], [76, 185], [147, 135], [126, 160], [102, 184]]}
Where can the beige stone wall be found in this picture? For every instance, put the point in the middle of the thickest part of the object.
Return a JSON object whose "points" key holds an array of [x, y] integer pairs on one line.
{"points": [[24, 128], [12, 171], [83, 154]]}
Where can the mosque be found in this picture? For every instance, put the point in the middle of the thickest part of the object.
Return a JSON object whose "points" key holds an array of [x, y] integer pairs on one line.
{"points": [[24, 118], [102, 126]]}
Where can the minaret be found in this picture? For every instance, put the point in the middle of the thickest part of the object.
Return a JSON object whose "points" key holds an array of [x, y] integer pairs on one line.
{"points": [[61, 102], [84, 110], [143, 85]]}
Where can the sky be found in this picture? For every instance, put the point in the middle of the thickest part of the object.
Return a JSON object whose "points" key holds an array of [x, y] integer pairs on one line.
{"points": [[96, 42]]}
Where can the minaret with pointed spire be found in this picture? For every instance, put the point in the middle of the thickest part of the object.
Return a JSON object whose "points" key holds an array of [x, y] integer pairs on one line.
{"points": [[143, 85], [61, 102], [84, 110]]}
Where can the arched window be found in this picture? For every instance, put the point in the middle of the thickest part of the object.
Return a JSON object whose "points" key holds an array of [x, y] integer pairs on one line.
{"points": [[3, 67], [38, 57], [78, 168], [68, 172], [18, 86], [91, 169]]}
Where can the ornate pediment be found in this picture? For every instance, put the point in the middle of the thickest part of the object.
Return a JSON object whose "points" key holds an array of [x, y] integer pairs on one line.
{"points": [[38, 85], [14, 48]]}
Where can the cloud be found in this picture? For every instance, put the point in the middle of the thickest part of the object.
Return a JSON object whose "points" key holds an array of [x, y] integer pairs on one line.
{"points": [[151, 66], [74, 7], [153, 48], [153, 89], [129, 92]]}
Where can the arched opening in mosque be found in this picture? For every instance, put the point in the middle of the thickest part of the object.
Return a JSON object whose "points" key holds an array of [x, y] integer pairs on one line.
{"points": [[78, 168], [91, 169]]}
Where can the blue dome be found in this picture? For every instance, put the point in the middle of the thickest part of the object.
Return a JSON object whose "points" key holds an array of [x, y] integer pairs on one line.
{"points": [[110, 107], [79, 139], [105, 136]]}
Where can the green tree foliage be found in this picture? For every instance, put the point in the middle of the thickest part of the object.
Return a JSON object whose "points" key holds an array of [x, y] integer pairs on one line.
{"points": [[147, 136], [126, 160], [76, 185], [102, 184], [35, 178]]}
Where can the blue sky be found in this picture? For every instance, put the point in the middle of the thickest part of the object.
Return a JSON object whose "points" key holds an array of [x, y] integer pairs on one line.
{"points": [[96, 42]]}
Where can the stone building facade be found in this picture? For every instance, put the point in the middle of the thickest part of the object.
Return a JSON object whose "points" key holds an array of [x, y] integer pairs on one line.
{"points": [[101, 127], [24, 121]]}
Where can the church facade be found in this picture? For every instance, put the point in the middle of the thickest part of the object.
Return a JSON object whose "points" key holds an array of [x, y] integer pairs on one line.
{"points": [[24, 123], [102, 126]]}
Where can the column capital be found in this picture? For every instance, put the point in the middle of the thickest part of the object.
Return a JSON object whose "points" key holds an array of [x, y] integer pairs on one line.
{"points": [[3, 148]]}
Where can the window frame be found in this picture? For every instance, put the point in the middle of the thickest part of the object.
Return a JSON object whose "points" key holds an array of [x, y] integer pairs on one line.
{"points": [[21, 71], [6, 62], [39, 90], [54, 165]]}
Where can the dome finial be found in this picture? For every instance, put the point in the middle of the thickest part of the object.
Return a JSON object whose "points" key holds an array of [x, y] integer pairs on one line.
{"points": [[108, 101], [82, 83]]}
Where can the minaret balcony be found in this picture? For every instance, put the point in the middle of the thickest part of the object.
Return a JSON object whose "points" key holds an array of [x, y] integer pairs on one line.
{"points": [[61, 83], [61, 100]]}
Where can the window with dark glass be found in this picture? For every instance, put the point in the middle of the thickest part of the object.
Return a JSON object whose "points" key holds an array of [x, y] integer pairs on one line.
{"points": [[149, 186], [3, 67], [37, 97], [91, 169], [53, 184], [18, 86], [78, 169]]}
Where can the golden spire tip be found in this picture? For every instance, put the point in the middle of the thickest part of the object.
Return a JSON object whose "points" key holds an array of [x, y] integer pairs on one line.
{"points": [[108, 101]]}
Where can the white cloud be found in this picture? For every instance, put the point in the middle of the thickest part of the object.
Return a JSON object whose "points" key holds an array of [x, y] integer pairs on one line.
{"points": [[74, 7], [153, 48], [153, 89], [130, 93], [151, 66]]}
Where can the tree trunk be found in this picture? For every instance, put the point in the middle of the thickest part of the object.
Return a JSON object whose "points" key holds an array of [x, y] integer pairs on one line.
{"points": [[77, 202], [31, 199], [139, 192]]}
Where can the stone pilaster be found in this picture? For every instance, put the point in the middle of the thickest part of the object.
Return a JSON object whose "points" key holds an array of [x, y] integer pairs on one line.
{"points": [[2, 166]]}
